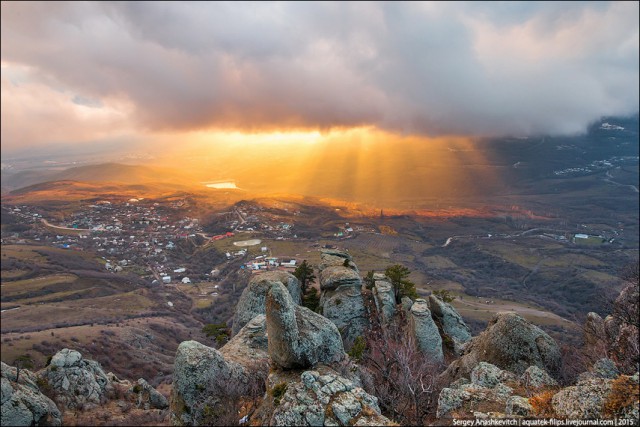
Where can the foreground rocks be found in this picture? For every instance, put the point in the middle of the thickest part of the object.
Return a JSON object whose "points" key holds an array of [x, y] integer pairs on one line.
{"points": [[319, 397], [298, 337], [252, 300], [22, 402], [204, 376], [511, 343], [77, 382]]}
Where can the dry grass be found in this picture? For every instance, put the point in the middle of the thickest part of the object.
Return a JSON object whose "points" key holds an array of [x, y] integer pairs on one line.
{"points": [[624, 393]]}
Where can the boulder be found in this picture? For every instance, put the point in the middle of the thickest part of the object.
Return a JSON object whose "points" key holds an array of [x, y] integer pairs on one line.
{"points": [[488, 375], [202, 375], [536, 379], [605, 368], [22, 403], [334, 257], [335, 276], [149, 397], [425, 331], [78, 382], [298, 337], [451, 322], [518, 405], [385, 299], [251, 302], [322, 397], [510, 343], [583, 401], [486, 389]]}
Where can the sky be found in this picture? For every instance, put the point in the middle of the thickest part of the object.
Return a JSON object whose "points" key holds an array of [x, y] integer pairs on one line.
{"points": [[167, 73]]}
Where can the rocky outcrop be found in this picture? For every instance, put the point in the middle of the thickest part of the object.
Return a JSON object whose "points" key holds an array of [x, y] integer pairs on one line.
{"points": [[487, 388], [451, 322], [511, 343], [341, 296], [321, 397], [621, 330], [298, 337], [251, 302], [203, 375], [149, 397], [425, 331], [384, 298], [22, 403], [77, 382]]}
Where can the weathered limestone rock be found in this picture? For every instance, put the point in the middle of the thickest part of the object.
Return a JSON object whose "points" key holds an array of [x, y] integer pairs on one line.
{"points": [[298, 337], [334, 257], [385, 299], [488, 375], [425, 331], [149, 397], [621, 330], [487, 387], [511, 343], [323, 397], [77, 382], [251, 302], [341, 296], [202, 375], [518, 405], [22, 403], [452, 324], [335, 276], [536, 379], [582, 401]]}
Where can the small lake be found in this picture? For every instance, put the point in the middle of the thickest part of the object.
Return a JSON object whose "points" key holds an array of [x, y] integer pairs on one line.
{"points": [[222, 185]]}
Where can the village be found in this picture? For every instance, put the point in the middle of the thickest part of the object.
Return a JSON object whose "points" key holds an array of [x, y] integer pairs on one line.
{"points": [[155, 240]]}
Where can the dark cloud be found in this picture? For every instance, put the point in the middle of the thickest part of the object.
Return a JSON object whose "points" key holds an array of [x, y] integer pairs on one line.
{"points": [[432, 68]]}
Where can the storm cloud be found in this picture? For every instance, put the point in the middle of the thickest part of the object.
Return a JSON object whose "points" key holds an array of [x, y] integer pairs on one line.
{"points": [[483, 69]]}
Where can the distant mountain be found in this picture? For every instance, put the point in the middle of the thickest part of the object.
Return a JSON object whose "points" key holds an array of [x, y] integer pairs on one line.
{"points": [[106, 172]]}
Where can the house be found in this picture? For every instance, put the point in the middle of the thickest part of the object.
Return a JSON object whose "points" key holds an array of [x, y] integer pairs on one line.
{"points": [[166, 279], [186, 280], [180, 270]]}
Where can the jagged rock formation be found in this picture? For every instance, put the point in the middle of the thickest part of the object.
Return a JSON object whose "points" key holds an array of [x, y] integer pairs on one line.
{"points": [[149, 397], [203, 374], [298, 337], [251, 302], [77, 382], [511, 343], [617, 335], [384, 297], [341, 295], [488, 387], [22, 403], [451, 322], [426, 332], [321, 397]]}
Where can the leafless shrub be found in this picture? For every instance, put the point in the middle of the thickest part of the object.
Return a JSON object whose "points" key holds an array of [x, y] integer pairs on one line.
{"points": [[403, 379]]}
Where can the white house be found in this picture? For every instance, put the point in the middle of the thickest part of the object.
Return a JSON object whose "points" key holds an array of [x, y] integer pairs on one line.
{"points": [[166, 279], [186, 280]]}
